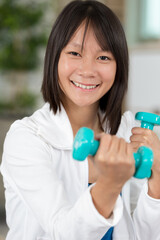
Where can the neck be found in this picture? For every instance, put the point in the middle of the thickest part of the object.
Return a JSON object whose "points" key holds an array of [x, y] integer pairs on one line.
{"points": [[83, 117]]}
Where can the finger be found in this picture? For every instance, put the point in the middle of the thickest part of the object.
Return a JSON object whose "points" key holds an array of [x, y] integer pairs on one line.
{"points": [[130, 149], [131, 157], [126, 150], [98, 136], [146, 139], [105, 142], [134, 146], [139, 130], [114, 146], [139, 138], [122, 146]]}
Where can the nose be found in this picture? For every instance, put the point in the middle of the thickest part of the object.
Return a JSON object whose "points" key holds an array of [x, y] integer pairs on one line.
{"points": [[87, 68]]}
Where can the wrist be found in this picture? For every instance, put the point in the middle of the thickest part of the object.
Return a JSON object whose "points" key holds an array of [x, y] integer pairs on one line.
{"points": [[153, 186], [109, 185], [104, 196]]}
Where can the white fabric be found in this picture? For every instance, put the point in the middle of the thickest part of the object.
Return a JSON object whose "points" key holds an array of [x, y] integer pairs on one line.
{"points": [[47, 194]]}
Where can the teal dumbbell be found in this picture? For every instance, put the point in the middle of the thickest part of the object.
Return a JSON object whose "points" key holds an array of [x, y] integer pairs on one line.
{"points": [[85, 144], [148, 120]]}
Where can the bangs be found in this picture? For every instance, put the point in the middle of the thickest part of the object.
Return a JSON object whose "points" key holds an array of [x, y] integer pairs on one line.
{"points": [[91, 18], [102, 34], [102, 38], [98, 32]]}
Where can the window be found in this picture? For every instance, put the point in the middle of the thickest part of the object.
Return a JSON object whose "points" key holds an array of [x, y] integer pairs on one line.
{"points": [[150, 19], [142, 21]]}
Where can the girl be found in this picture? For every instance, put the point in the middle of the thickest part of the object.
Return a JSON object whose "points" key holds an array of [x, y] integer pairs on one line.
{"points": [[47, 193]]}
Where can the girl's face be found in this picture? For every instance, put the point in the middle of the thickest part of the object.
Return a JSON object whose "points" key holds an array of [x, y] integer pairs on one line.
{"points": [[85, 75]]}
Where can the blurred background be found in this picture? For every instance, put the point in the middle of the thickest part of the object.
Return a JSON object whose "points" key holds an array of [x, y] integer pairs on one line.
{"points": [[24, 28]]}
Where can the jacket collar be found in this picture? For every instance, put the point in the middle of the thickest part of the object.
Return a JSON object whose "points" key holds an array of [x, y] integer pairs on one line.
{"points": [[55, 129]]}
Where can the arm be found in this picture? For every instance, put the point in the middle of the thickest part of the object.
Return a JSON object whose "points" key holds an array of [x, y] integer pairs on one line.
{"points": [[145, 205], [28, 167], [146, 215], [115, 162], [145, 137]]}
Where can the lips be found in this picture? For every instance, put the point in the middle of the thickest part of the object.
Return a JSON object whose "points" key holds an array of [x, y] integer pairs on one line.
{"points": [[86, 86]]}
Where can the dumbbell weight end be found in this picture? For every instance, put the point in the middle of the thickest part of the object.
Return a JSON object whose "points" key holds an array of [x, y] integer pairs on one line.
{"points": [[143, 162], [148, 120], [84, 144]]}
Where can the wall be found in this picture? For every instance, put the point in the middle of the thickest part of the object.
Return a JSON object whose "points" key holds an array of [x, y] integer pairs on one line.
{"points": [[144, 82]]}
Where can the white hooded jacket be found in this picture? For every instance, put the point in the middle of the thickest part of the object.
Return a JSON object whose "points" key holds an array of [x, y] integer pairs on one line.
{"points": [[47, 193]]}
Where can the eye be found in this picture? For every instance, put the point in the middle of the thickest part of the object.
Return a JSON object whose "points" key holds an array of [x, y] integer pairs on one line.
{"points": [[75, 54], [103, 58]]}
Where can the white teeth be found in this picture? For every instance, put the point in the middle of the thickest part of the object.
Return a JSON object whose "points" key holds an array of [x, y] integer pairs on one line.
{"points": [[84, 86]]}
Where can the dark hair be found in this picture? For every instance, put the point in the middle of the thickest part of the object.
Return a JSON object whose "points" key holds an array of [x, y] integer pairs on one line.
{"points": [[110, 35]]}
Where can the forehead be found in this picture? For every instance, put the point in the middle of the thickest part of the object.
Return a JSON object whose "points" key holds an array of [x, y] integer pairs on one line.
{"points": [[84, 36]]}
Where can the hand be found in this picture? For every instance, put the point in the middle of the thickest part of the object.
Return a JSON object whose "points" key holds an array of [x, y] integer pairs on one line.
{"points": [[115, 163], [148, 138], [114, 160]]}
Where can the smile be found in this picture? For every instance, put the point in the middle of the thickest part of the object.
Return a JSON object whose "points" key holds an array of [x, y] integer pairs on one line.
{"points": [[84, 86]]}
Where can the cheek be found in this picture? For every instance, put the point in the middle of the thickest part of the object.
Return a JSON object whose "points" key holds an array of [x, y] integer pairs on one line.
{"points": [[109, 75], [65, 67], [65, 70], [62, 69]]}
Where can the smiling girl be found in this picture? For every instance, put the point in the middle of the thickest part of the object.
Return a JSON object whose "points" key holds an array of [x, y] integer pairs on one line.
{"points": [[86, 73], [47, 193]]}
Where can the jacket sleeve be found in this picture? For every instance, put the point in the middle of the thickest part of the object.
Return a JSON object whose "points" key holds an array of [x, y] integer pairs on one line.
{"points": [[146, 216], [27, 166], [145, 210]]}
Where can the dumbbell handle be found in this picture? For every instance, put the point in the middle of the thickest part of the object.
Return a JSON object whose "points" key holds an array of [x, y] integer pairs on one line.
{"points": [[95, 146]]}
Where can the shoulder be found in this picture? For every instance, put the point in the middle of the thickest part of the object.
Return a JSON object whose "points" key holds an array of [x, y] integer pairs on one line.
{"points": [[24, 135], [127, 123], [42, 128]]}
